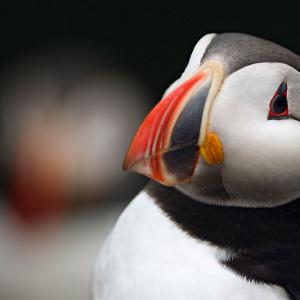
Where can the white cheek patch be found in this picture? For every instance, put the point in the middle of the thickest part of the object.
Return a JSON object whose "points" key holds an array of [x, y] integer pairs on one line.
{"points": [[194, 61], [261, 157]]}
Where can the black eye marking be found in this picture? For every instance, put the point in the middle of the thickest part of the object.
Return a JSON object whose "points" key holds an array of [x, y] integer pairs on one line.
{"points": [[279, 104]]}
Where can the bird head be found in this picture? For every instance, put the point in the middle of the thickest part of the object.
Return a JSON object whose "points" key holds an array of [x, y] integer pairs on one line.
{"points": [[227, 131]]}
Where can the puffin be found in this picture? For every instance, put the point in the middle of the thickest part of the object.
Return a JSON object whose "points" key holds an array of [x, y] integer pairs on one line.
{"points": [[220, 216]]}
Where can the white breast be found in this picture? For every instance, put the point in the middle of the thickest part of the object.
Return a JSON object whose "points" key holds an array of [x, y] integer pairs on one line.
{"points": [[147, 257]]}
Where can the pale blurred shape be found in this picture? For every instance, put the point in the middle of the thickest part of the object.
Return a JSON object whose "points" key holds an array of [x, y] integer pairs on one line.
{"points": [[66, 125], [66, 129]]}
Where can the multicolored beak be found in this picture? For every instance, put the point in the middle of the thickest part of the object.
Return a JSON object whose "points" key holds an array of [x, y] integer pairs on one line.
{"points": [[167, 145]]}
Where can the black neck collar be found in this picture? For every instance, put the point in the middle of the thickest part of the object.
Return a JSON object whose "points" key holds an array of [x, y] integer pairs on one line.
{"points": [[265, 242]]}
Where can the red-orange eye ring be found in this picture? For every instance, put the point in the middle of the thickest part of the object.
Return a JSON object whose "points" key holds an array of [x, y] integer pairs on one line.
{"points": [[279, 104]]}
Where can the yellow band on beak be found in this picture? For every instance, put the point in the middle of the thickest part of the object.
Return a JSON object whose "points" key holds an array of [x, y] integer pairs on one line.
{"points": [[212, 149]]}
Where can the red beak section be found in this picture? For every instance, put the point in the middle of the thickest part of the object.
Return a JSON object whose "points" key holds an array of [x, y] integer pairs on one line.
{"points": [[165, 147]]}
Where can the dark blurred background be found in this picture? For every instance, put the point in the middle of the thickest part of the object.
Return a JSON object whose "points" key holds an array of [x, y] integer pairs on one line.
{"points": [[76, 79]]}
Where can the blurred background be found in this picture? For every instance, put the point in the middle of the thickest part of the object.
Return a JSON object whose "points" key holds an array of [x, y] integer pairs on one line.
{"points": [[76, 80]]}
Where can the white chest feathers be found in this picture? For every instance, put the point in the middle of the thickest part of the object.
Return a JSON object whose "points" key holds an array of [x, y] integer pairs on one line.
{"points": [[147, 257]]}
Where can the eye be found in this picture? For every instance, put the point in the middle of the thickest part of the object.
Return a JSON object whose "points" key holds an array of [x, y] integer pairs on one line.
{"points": [[279, 105]]}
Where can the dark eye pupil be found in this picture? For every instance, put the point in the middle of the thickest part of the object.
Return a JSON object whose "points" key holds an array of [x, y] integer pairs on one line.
{"points": [[279, 104]]}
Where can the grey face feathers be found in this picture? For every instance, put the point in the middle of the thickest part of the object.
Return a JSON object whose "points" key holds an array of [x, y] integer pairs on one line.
{"points": [[237, 50]]}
